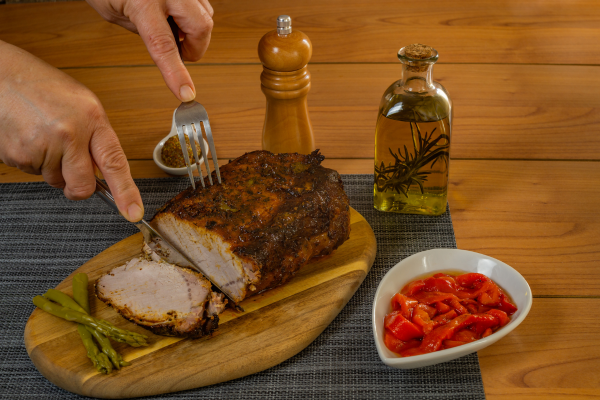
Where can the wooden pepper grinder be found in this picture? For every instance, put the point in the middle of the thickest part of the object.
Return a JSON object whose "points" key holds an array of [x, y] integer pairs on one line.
{"points": [[285, 81]]}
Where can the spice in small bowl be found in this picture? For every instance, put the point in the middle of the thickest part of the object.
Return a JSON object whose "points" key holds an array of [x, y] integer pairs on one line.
{"points": [[171, 153]]}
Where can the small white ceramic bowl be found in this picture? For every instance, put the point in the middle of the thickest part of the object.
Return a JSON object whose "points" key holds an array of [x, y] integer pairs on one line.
{"points": [[158, 157], [431, 261]]}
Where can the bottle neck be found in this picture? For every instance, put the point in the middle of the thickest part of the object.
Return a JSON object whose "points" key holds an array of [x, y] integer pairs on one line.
{"points": [[417, 78]]}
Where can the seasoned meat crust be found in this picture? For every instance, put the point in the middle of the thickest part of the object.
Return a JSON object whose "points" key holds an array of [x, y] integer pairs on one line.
{"points": [[269, 217]]}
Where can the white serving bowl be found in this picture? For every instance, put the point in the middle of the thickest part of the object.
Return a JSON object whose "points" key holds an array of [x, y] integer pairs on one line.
{"points": [[158, 157], [431, 261]]}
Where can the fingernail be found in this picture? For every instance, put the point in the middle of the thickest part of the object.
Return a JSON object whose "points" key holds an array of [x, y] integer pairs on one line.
{"points": [[136, 213], [186, 93]]}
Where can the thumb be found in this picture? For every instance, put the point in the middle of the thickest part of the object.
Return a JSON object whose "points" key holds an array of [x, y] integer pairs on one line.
{"points": [[111, 161], [152, 25]]}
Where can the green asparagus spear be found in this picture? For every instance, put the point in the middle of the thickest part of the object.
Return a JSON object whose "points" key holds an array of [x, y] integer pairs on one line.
{"points": [[100, 360], [80, 292], [107, 349], [80, 295], [64, 300], [104, 327]]}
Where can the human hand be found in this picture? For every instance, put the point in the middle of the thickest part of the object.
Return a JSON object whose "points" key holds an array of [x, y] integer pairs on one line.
{"points": [[149, 19], [50, 124]]}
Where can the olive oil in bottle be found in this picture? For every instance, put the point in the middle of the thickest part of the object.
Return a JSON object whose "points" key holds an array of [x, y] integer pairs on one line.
{"points": [[412, 139]]}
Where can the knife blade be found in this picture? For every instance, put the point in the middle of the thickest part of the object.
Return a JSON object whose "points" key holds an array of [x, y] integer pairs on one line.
{"points": [[158, 243]]}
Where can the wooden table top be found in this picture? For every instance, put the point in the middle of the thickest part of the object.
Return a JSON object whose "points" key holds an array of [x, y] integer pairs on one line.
{"points": [[525, 170]]}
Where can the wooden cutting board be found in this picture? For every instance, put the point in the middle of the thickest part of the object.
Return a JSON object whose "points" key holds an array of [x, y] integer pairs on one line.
{"points": [[275, 326]]}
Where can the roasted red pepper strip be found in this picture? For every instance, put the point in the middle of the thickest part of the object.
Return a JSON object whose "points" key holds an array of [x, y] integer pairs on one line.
{"points": [[445, 318], [402, 328], [413, 287], [433, 341], [433, 297], [442, 307], [466, 335], [440, 283], [501, 315], [472, 280], [470, 305], [454, 303], [396, 345], [421, 317], [404, 304], [506, 306], [482, 322], [490, 296]]}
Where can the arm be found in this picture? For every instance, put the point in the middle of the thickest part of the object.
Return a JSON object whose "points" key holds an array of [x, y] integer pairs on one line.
{"points": [[52, 125]]}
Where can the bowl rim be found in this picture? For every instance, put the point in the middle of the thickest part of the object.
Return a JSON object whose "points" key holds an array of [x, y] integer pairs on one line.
{"points": [[156, 154], [455, 352]]}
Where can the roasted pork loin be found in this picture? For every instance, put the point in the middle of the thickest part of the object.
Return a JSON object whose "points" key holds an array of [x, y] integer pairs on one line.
{"points": [[269, 217], [164, 298]]}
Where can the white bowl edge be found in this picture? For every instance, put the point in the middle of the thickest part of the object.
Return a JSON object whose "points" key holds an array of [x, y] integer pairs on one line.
{"points": [[156, 155]]}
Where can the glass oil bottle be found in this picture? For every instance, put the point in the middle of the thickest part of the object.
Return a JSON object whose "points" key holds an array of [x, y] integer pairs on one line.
{"points": [[412, 139]]}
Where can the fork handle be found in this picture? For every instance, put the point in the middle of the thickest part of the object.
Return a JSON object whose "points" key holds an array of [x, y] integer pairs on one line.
{"points": [[104, 193], [175, 30]]}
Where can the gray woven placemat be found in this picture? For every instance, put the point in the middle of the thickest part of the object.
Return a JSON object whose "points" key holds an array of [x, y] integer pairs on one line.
{"points": [[44, 237]]}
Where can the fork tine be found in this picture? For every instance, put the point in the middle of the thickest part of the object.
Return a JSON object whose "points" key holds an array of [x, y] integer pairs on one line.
{"points": [[192, 135], [211, 144], [204, 152], [181, 136]]}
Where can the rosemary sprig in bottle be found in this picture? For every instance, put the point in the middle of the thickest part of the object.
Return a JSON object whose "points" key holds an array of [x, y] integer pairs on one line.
{"points": [[406, 169]]}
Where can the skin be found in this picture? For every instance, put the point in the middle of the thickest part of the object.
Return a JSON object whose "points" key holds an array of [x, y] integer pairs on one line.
{"points": [[52, 125]]}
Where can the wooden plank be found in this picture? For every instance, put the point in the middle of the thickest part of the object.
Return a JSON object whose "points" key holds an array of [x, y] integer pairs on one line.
{"points": [[509, 31], [553, 354], [276, 325], [540, 217], [501, 112]]}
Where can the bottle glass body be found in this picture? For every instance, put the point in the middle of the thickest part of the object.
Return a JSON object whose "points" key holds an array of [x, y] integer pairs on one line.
{"points": [[412, 143]]}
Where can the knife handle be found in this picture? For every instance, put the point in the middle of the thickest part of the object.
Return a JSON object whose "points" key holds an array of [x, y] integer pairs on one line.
{"points": [[104, 193]]}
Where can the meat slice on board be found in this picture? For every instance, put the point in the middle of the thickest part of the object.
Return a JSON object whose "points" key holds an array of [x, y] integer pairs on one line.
{"points": [[162, 297]]}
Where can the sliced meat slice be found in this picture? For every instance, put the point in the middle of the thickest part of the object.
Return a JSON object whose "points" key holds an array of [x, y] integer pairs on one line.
{"points": [[166, 299]]}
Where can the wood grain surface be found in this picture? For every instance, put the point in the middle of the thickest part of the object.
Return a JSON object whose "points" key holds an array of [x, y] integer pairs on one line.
{"points": [[525, 170], [501, 112], [276, 325], [486, 31], [542, 359]]}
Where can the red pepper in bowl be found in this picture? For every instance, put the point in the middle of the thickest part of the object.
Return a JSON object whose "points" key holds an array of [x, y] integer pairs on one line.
{"points": [[445, 311]]}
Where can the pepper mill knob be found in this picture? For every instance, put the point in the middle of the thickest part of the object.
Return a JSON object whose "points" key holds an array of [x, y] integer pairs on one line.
{"points": [[285, 81]]}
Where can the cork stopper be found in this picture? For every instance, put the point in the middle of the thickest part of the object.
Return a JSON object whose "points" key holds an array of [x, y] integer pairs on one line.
{"points": [[418, 51], [418, 57]]}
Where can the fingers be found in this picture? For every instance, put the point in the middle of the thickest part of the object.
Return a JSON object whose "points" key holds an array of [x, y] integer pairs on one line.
{"points": [[208, 7], [77, 172], [52, 172], [151, 23], [194, 18], [111, 161]]}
